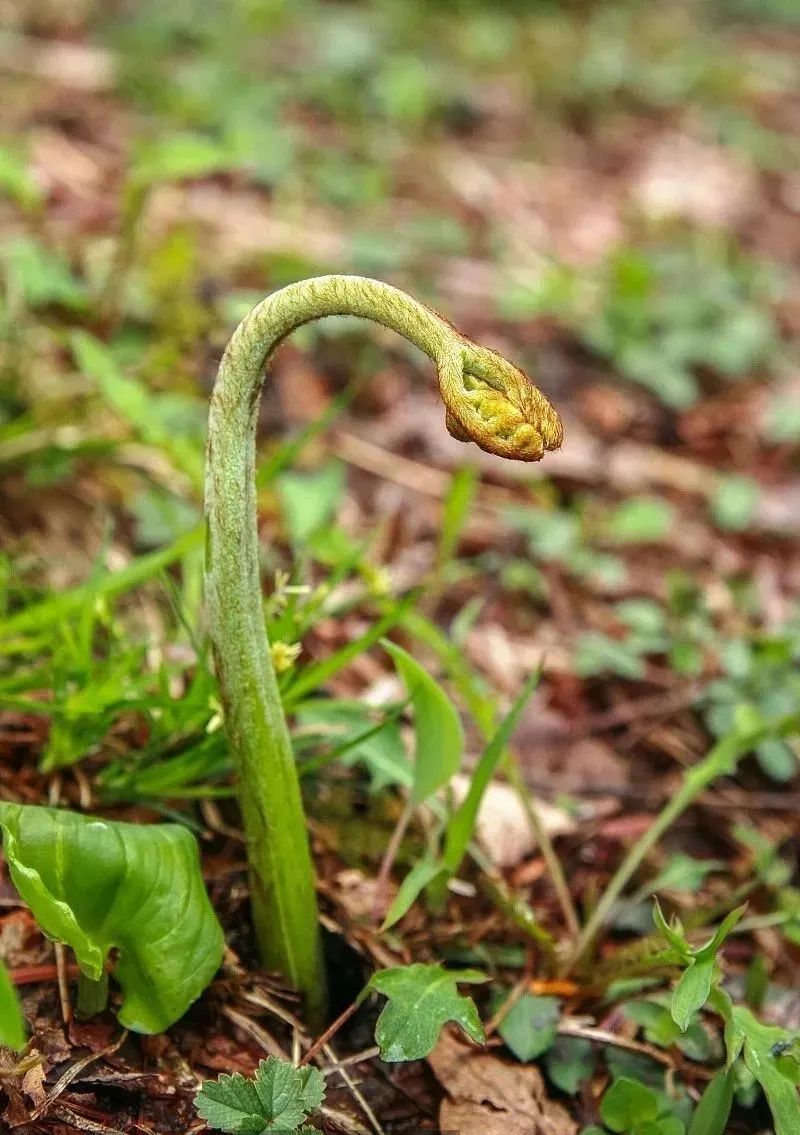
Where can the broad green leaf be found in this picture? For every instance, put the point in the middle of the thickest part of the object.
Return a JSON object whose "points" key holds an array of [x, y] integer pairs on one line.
{"points": [[12, 1025], [777, 759], [711, 1116], [656, 1021], [529, 1027], [422, 999], [661, 1030], [439, 736], [98, 886], [415, 882], [278, 1099], [691, 992], [633, 1066], [628, 1103], [733, 1035]]}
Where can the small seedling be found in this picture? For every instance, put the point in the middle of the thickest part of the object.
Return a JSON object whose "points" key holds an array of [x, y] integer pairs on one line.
{"points": [[769, 1054]]}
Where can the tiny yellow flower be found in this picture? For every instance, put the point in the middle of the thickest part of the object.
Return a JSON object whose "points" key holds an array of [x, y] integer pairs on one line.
{"points": [[284, 655]]}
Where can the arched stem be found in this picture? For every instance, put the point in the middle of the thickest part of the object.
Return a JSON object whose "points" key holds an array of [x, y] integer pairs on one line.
{"points": [[487, 400]]}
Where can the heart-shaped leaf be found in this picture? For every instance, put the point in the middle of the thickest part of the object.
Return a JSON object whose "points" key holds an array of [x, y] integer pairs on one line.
{"points": [[98, 886]]}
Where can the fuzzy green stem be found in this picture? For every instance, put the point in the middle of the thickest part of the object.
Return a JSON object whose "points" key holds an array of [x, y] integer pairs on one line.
{"points": [[487, 400]]}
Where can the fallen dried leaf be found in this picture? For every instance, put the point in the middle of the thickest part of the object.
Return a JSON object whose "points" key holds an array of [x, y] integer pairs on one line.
{"points": [[489, 1096]]}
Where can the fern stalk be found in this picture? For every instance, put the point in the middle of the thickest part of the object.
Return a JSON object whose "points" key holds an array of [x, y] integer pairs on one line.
{"points": [[487, 400]]}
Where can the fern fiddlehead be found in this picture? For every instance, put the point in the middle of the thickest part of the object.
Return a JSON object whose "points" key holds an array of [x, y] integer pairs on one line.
{"points": [[487, 400]]}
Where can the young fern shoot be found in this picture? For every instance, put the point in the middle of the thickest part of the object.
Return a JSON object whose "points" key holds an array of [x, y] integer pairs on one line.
{"points": [[487, 400]]}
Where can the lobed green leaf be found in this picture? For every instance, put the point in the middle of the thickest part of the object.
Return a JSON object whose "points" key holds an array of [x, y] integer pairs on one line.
{"points": [[422, 999]]}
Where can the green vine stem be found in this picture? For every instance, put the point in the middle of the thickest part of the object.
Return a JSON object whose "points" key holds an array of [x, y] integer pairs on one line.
{"points": [[487, 400], [721, 760]]}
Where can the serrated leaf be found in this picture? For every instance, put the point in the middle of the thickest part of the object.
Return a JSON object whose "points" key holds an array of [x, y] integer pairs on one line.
{"points": [[12, 1025], [229, 1103], [279, 1098], [98, 886], [691, 992], [422, 1000], [439, 738]]}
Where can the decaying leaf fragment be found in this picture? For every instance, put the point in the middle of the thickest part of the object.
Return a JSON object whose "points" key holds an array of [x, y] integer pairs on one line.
{"points": [[490, 1096]]}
